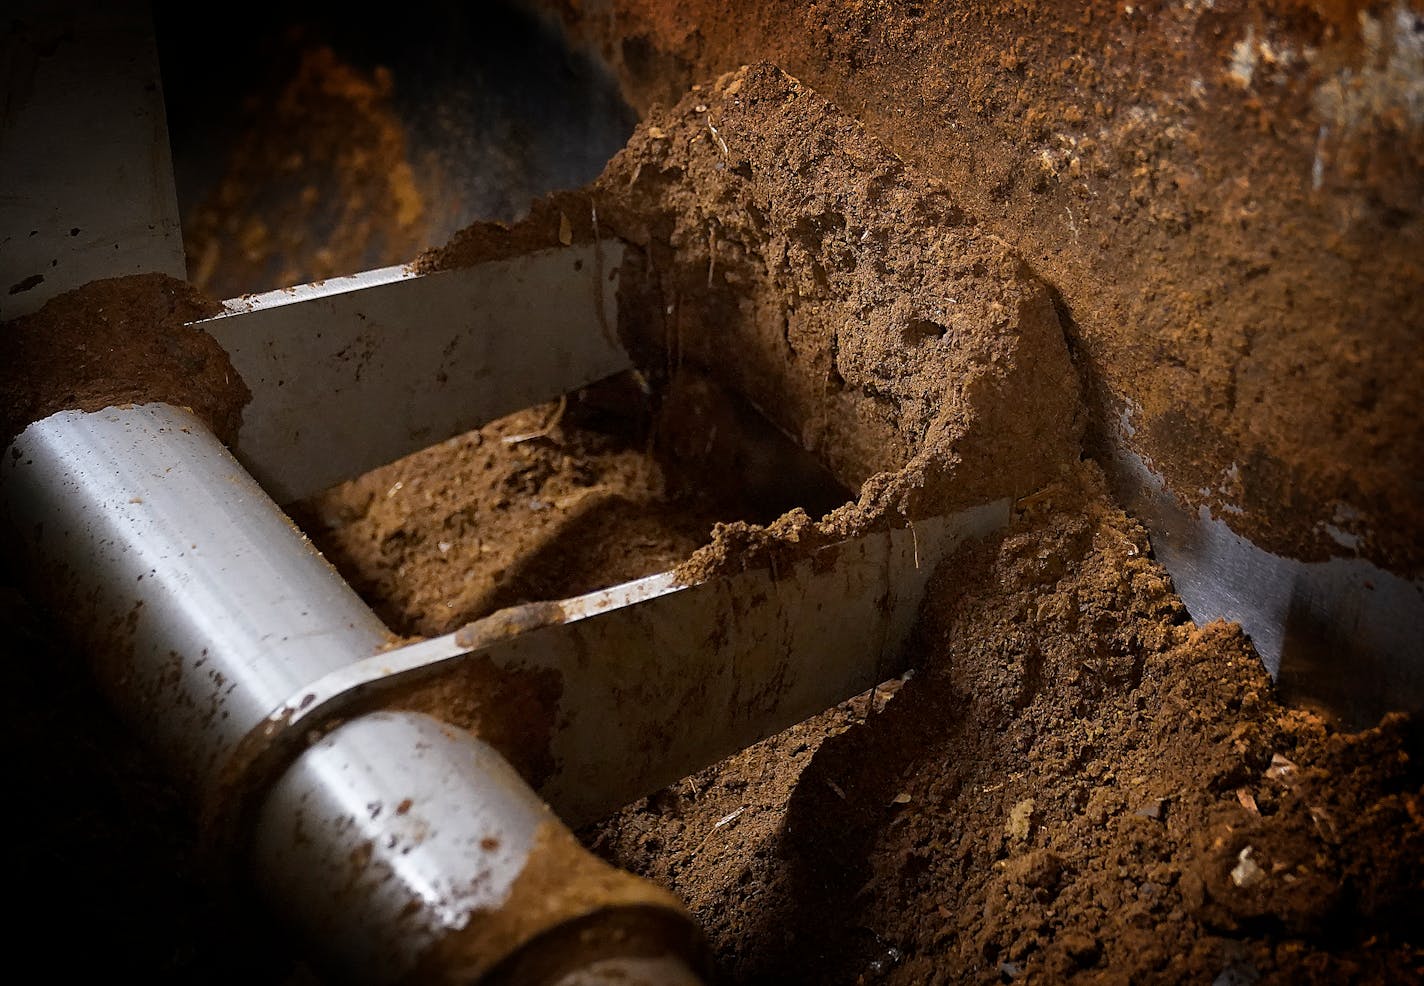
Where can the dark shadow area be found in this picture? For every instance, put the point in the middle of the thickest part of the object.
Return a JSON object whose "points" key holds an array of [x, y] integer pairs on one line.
{"points": [[485, 102], [104, 850]]}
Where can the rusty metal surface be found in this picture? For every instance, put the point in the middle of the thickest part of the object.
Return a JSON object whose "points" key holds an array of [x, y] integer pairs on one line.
{"points": [[353, 372], [86, 184], [660, 679]]}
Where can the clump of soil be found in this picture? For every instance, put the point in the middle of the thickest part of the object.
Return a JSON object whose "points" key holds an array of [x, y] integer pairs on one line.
{"points": [[121, 340], [1077, 783], [872, 319], [1226, 195]]}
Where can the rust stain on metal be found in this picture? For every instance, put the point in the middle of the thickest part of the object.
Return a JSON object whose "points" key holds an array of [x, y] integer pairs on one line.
{"points": [[508, 623]]}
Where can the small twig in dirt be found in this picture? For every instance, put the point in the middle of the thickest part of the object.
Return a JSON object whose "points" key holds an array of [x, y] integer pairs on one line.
{"points": [[725, 152], [730, 817], [543, 432]]}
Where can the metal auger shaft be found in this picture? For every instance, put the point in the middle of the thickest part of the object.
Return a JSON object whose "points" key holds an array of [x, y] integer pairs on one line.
{"points": [[402, 846]]}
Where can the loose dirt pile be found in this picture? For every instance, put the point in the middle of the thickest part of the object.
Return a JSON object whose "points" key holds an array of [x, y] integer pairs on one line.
{"points": [[1077, 783], [869, 317]]}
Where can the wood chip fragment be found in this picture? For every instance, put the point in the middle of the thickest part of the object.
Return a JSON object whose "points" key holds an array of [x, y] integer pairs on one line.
{"points": [[730, 817], [1281, 769]]}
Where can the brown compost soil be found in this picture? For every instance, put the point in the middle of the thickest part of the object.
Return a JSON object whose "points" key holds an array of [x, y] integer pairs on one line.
{"points": [[1225, 195], [873, 321], [1063, 788], [1075, 782]]}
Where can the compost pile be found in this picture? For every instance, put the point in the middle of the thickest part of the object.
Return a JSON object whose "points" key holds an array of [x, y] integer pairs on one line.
{"points": [[1075, 782]]}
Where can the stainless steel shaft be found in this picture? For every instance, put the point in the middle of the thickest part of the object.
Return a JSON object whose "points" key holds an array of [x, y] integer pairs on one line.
{"points": [[201, 603], [400, 844], [442, 866]]}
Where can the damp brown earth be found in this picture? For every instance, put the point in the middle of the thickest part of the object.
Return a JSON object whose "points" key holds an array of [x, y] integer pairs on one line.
{"points": [[1076, 782]]}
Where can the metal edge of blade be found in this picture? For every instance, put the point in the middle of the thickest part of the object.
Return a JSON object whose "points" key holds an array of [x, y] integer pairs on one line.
{"points": [[1343, 635]]}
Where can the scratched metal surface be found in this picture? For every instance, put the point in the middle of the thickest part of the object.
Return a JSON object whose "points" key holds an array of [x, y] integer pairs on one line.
{"points": [[1343, 634]]}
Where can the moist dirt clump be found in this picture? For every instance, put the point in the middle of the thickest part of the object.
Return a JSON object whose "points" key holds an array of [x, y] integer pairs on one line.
{"points": [[116, 341], [872, 320]]}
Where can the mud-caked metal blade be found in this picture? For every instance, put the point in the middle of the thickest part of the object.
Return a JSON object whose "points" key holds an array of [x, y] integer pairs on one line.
{"points": [[1343, 634]]}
